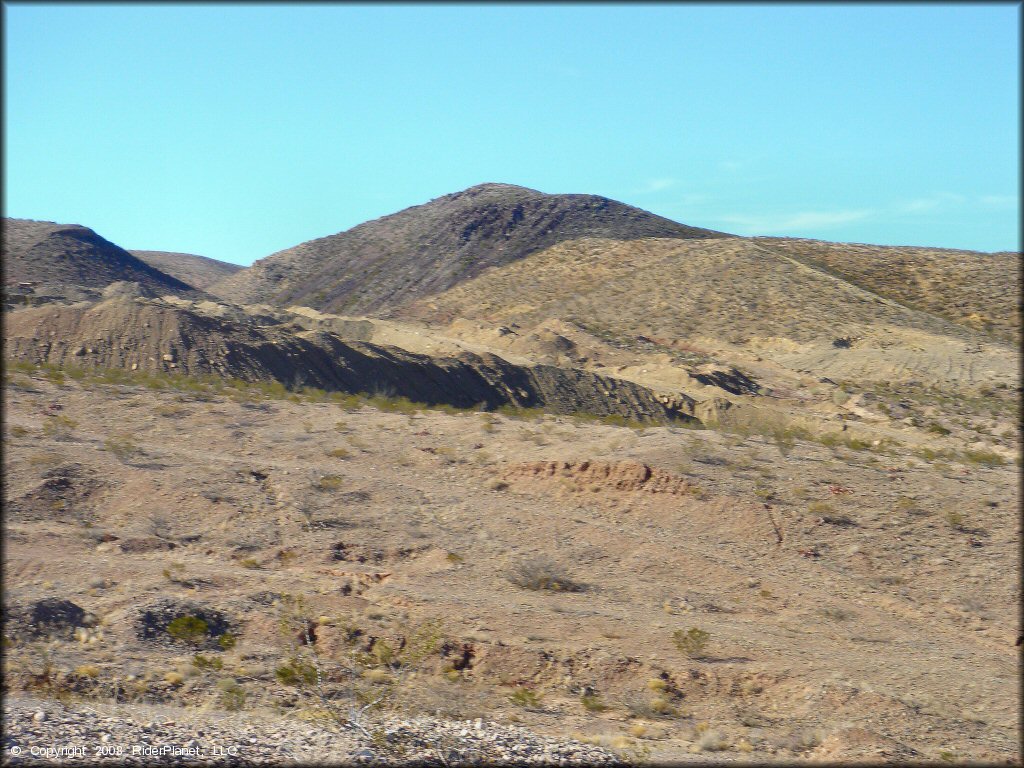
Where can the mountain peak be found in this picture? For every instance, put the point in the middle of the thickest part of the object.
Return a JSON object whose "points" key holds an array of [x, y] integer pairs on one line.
{"points": [[423, 250]]}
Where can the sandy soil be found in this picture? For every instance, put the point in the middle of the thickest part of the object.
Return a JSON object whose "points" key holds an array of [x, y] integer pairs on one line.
{"points": [[861, 605]]}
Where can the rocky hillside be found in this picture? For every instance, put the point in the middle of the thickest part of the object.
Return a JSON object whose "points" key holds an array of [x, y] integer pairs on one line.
{"points": [[157, 336], [429, 248], [733, 289], [980, 291], [197, 271], [72, 261]]}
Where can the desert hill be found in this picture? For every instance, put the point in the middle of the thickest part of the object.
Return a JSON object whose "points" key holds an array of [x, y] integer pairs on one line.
{"points": [[73, 261], [207, 503], [197, 271], [978, 290], [429, 248]]}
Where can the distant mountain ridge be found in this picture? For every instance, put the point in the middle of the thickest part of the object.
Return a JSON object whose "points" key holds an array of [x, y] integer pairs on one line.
{"points": [[75, 257], [380, 265], [197, 271]]}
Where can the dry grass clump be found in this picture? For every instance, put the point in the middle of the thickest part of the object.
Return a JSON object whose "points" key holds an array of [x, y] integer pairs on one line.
{"points": [[542, 573]]}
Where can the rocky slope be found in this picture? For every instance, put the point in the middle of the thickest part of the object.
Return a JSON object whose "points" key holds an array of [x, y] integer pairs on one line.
{"points": [[163, 336], [428, 248], [73, 262], [978, 290], [197, 271]]}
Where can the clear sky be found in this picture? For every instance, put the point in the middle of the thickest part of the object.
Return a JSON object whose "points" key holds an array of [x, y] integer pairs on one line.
{"points": [[234, 131]]}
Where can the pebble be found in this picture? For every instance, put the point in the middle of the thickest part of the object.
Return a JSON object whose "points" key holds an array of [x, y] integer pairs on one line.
{"points": [[261, 740]]}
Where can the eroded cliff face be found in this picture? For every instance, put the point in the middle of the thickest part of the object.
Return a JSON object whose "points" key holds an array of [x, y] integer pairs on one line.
{"points": [[152, 335]]}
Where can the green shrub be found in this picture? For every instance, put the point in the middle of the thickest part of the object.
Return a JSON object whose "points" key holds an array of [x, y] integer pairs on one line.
{"points": [[206, 662], [329, 483], [986, 458], [121, 446], [232, 695], [296, 672], [692, 642], [189, 629], [525, 697], [59, 427]]}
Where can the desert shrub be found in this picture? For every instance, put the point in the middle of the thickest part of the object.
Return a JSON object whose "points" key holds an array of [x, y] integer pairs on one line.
{"points": [[122, 446], [329, 483], [339, 453], [649, 707], [711, 741], [954, 519], [525, 697], [189, 629], [201, 662], [805, 740], [296, 672], [692, 642], [232, 695], [541, 573], [593, 703], [938, 429], [59, 427], [986, 458], [18, 431]]}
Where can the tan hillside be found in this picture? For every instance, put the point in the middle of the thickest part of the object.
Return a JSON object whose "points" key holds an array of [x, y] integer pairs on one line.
{"points": [[198, 271], [978, 290], [734, 289]]}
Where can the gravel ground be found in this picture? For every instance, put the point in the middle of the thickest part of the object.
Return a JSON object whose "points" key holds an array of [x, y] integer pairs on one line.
{"points": [[41, 732]]}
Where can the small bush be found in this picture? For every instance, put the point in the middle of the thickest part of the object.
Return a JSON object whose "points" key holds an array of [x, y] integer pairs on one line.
{"points": [[954, 519], [296, 672], [525, 697], [339, 453], [329, 483], [232, 695], [189, 629], [542, 574], [650, 708], [938, 429], [593, 703], [59, 427], [121, 446], [985, 458], [711, 741], [692, 642], [206, 662]]}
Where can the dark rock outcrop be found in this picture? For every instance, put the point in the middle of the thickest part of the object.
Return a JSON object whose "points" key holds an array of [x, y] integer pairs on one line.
{"points": [[157, 336]]}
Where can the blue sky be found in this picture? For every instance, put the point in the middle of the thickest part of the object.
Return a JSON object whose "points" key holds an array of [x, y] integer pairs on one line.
{"points": [[238, 130]]}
